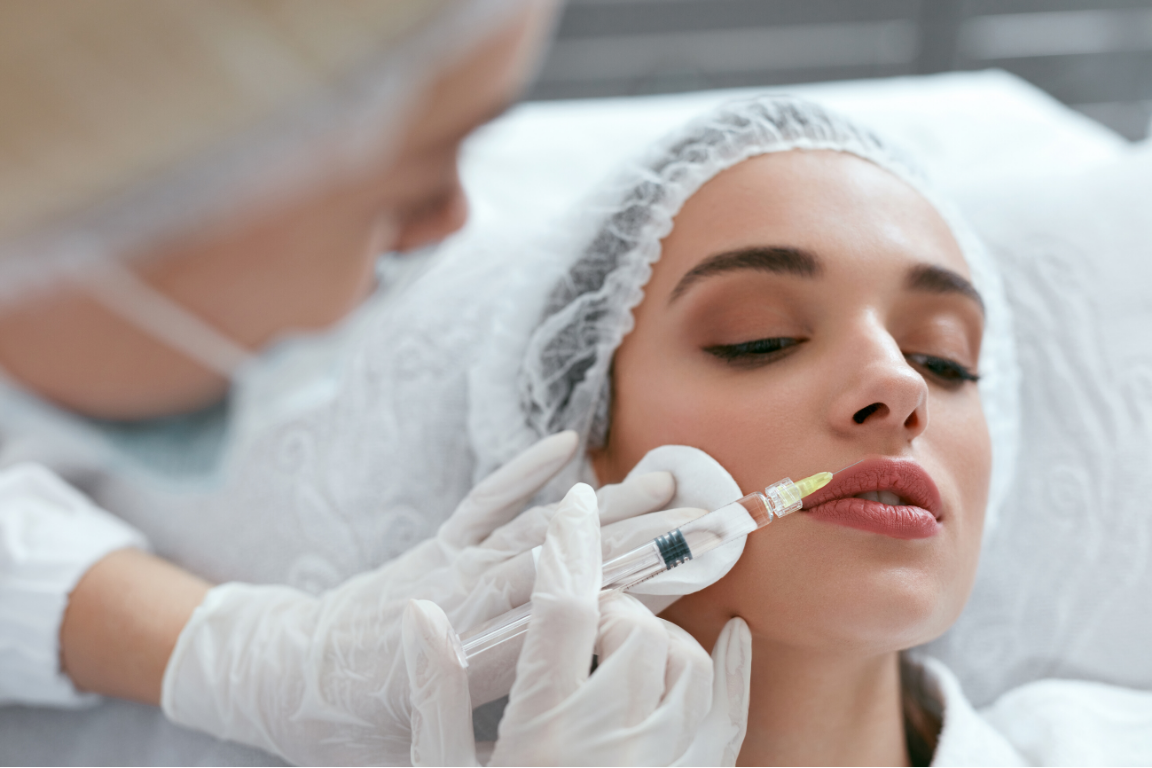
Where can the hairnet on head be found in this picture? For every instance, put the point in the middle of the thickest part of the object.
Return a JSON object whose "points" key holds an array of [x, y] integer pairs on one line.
{"points": [[129, 120], [559, 348]]}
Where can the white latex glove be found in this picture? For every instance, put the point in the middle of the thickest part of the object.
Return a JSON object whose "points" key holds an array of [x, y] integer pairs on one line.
{"points": [[722, 733], [321, 680], [644, 704]]}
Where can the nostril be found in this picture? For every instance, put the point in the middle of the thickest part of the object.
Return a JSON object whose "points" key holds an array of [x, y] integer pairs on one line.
{"points": [[862, 415]]}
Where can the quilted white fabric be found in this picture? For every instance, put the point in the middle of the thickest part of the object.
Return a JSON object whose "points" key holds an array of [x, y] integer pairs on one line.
{"points": [[1064, 588], [1053, 722]]}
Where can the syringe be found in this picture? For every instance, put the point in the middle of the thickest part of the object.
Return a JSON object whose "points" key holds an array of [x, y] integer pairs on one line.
{"points": [[664, 553]]}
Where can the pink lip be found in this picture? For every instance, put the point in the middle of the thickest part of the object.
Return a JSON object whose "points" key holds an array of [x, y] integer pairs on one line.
{"points": [[919, 518]]}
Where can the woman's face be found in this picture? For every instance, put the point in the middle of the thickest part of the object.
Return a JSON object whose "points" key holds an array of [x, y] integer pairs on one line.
{"points": [[811, 310]]}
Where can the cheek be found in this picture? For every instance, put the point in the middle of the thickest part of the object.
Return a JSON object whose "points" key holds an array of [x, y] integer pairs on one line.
{"points": [[751, 424], [958, 442]]}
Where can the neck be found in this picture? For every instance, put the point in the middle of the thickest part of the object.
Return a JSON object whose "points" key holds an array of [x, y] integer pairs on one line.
{"points": [[815, 709]]}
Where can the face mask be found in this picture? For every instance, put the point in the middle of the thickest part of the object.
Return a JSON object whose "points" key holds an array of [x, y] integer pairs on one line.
{"points": [[189, 446], [189, 450]]}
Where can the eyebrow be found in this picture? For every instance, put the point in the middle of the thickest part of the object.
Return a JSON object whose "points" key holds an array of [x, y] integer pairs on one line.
{"points": [[784, 260], [932, 279], [780, 260]]}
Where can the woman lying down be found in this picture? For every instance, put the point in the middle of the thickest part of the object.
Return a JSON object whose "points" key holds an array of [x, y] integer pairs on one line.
{"points": [[775, 288]]}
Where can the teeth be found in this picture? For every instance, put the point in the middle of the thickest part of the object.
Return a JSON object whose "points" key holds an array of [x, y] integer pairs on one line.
{"points": [[881, 497]]}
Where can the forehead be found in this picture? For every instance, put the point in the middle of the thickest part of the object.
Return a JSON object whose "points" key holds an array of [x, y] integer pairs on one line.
{"points": [[852, 213]]}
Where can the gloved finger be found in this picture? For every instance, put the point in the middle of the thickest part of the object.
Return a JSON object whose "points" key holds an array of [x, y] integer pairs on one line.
{"points": [[636, 495], [493, 590], [690, 678], [561, 635], [501, 495], [670, 721], [524, 532], [721, 735], [620, 501], [438, 689], [632, 652]]}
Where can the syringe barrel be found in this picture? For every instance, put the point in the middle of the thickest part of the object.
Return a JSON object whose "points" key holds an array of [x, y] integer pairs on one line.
{"points": [[635, 566], [506, 626], [663, 553], [621, 572]]}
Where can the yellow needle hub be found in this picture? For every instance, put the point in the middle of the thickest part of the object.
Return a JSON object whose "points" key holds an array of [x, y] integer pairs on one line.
{"points": [[814, 483]]}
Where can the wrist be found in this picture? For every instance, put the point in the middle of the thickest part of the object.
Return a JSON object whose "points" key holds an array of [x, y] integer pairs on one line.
{"points": [[122, 622]]}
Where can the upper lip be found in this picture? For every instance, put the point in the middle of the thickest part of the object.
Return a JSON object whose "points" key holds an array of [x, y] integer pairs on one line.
{"points": [[904, 477]]}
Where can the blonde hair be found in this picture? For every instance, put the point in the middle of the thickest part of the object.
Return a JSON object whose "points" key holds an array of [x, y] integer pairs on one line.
{"points": [[101, 95], [125, 119]]}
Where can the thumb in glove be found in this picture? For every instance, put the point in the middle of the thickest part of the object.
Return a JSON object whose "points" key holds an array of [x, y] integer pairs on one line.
{"points": [[441, 706], [722, 733]]}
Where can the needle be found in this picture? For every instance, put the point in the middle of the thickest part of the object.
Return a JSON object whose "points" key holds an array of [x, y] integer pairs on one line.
{"points": [[847, 467]]}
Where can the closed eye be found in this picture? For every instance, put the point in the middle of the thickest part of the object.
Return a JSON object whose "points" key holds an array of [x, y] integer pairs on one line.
{"points": [[753, 352], [947, 372]]}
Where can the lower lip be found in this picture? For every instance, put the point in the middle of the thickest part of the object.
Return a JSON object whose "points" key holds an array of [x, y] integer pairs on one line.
{"points": [[902, 522]]}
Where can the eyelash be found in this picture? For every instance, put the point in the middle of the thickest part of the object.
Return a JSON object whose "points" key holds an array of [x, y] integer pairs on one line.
{"points": [[758, 351], [752, 352], [947, 371]]}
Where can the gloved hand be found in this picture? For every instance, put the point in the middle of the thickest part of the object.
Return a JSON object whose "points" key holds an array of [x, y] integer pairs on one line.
{"points": [[322, 679], [722, 733], [647, 703]]}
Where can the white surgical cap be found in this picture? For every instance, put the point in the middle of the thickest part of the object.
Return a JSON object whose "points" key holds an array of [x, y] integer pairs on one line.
{"points": [[126, 120], [555, 340]]}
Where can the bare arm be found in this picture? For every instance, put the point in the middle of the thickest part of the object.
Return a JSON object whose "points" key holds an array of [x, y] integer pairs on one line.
{"points": [[122, 622]]}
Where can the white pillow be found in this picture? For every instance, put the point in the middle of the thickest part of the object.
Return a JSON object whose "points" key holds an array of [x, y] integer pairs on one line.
{"points": [[1065, 585], [544, 157]]}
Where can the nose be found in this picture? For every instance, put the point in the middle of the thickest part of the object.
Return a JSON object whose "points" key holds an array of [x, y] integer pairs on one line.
{"points": [[880, 394], [446, 214]]}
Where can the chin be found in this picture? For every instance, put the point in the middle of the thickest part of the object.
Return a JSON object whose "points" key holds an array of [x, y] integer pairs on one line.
{"points": [[866, 611], [886, 616]]}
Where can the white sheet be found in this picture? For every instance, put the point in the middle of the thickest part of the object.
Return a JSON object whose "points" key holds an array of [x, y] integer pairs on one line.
{"points": [[963, 127]]}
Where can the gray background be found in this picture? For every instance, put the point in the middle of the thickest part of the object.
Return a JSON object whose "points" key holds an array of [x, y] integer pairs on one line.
{"points": [[1095, 56]]}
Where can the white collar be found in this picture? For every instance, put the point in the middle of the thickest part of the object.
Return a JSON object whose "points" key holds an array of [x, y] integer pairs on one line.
{"points": [[965, 738]]}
